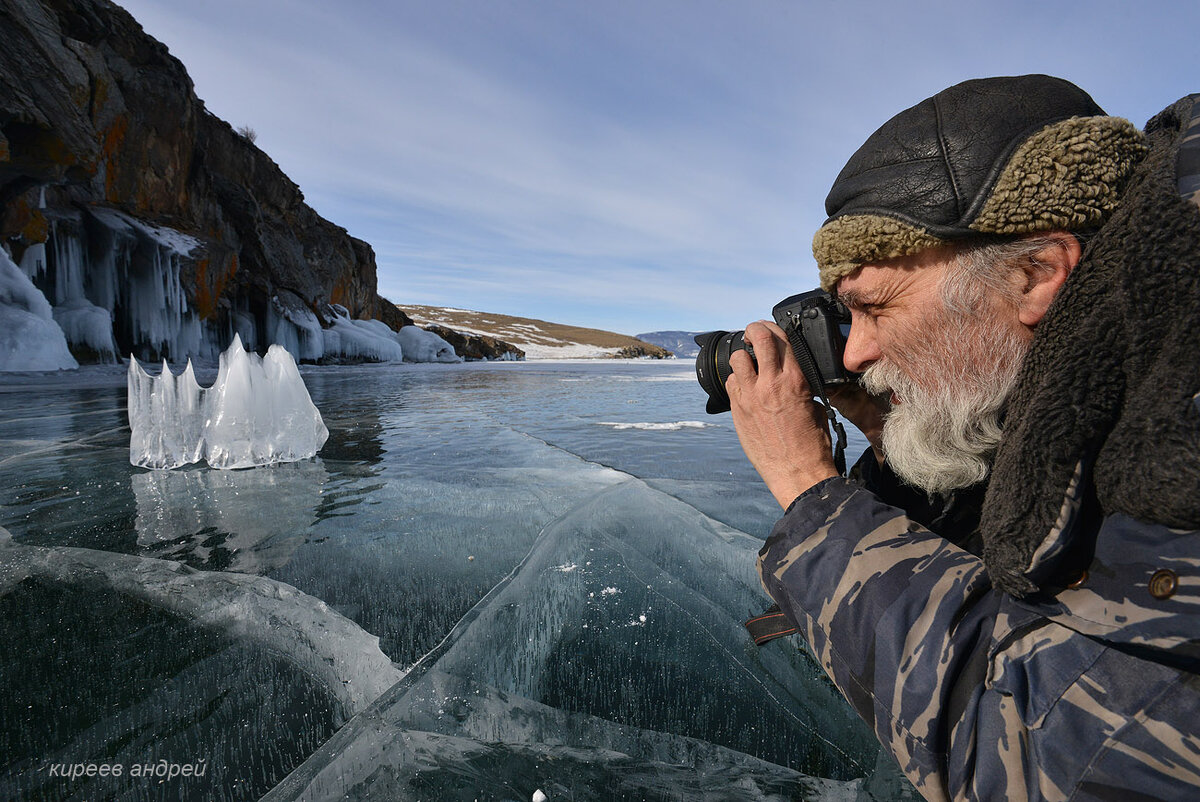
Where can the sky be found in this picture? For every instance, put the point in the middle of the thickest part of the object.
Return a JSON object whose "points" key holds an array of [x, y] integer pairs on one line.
{"points": [[629, 165]]}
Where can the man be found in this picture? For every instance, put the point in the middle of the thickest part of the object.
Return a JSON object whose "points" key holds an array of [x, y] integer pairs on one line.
{"points": [[1010, 593]]}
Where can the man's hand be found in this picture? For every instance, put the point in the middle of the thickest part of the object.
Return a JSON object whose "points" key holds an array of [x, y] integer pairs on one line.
{"points": [[782, 431]]}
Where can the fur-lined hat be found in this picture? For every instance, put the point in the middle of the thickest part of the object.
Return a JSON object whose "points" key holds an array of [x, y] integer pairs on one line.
{"points": [[1008, 155]]}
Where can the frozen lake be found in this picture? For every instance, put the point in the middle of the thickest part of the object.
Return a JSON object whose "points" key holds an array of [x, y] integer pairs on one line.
{"points": [[495, 578]]}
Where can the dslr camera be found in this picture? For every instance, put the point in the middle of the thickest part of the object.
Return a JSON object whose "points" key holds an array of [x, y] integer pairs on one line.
{"points": [[816, 325]]}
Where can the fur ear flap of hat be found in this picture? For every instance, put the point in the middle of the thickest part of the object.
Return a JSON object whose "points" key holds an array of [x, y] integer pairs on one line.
{"points": [[1003, 156]]}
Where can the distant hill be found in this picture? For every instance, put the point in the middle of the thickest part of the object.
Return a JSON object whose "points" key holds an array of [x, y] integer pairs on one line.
{"points": [[539, 339], [680, 343]]}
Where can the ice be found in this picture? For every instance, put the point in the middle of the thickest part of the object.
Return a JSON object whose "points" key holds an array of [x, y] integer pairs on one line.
{"points": [[107, 274], [357, 340], [232, 520], [295, 327], [565, 598], [424, 346], [102, 649], [29, 337], [549, 640], [276, 616], [85, 324], [133, 268], [258, 412]]}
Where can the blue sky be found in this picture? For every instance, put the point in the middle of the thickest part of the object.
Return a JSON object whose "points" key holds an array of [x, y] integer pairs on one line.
{"points": [[632, 165]]}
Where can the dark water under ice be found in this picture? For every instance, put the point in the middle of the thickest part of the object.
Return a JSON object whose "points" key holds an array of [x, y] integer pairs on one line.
{"points": [[495, 578]]}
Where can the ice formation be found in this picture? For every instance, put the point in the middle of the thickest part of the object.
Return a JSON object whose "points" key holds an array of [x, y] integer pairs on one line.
{"points": [[296, 328], [29, 337], [102, 273], [375, 340], [359, 339], [258, 412], [424, 346]]}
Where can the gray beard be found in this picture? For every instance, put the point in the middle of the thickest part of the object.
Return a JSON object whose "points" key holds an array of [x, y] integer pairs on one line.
{"points": [[944, 433]]}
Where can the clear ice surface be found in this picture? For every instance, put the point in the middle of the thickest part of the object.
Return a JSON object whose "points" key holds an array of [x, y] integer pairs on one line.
{"points": [[257, 412], [562, 594]]}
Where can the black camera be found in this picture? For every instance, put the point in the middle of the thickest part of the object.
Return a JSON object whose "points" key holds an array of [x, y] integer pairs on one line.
{"points": [[816, 325]]}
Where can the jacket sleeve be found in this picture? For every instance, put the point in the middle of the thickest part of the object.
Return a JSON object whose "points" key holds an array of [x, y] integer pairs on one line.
{"points": [[975, 695]]}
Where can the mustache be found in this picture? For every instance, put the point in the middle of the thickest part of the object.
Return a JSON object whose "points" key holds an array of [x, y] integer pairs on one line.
{"points": [[944, 434]]}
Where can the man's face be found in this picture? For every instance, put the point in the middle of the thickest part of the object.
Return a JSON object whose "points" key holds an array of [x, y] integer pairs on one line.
{"points": [[947, 372]]}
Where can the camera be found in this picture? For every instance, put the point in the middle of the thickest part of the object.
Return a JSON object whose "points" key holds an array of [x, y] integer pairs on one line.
{"points": [[816, 325]]}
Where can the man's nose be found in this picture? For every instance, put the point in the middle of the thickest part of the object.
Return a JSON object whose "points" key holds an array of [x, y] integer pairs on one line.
{"points": [[861, 348]]}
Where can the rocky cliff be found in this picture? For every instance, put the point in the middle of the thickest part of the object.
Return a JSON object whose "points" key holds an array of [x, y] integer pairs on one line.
{"points": [[121, 193]]}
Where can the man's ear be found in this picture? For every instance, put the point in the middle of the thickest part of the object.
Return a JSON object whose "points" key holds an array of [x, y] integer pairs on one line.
{"points": [[1046, 272]]}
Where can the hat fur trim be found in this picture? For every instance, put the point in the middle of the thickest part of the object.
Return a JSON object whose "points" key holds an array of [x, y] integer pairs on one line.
{"points": [[842, 245], [1068, 175]]}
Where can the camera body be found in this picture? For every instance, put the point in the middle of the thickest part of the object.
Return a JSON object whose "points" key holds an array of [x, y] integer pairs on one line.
{"points": [[816, 325]]}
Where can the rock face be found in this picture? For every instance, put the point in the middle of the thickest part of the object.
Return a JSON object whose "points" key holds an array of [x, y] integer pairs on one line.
{"points": [[107, 155], [476, 346]]}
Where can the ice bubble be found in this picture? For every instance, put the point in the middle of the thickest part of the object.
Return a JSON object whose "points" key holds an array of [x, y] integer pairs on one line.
{"points": [[538, 796]]}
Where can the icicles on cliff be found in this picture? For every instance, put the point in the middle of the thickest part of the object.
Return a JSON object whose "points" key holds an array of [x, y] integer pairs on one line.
{"points": [[258, 412], [107, 278], [294, 326], [104, 262], [29, 338], [138, 271]]}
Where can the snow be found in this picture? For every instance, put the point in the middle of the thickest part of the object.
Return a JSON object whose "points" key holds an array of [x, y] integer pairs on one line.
{"points": [[258, 412], [568, 351], [29, 337]]}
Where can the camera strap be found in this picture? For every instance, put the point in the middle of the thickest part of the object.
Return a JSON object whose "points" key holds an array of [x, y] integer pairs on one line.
{"points": [[808, 365]]}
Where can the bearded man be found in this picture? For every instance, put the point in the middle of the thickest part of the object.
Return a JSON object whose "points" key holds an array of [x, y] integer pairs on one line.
{"points": [[1008, 588]]}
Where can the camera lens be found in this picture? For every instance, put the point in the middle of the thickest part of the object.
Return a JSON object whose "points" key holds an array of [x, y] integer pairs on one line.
{"points": [[712, 365]]}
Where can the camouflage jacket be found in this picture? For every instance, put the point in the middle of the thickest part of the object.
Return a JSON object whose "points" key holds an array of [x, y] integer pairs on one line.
{"points": [[979, 695], [1080, 679]]}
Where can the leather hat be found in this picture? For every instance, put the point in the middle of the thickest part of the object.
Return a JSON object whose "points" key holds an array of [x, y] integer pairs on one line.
{"points": [[1000, 156]]}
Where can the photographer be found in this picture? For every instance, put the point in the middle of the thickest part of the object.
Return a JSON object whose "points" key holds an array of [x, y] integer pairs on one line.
{"points": [[1023, 275]]}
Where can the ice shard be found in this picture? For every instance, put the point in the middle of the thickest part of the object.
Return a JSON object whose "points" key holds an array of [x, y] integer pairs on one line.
{"points": [[258, 412]]}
